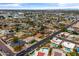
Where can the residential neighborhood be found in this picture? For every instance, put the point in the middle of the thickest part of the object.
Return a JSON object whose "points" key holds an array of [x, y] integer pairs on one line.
{"points": [[39, 33]]}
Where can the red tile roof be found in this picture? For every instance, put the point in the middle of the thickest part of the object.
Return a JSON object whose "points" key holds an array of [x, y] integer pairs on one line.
{"points": [[41, 54]]}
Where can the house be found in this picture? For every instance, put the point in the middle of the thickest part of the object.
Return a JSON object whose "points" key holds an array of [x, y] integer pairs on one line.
{"points": [[18, 15], [57, 52], [68, 45], [4, 32], [38, 35], [76, 25], [70, 29], [56, 40], [29, 39], [63, 34], [74, 29], [19, 34], [74, 38], [38, 39], [42, 52]]}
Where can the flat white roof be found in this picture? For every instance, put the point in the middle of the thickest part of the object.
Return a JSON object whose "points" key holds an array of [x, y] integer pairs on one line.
{"points": [[68, 44]]}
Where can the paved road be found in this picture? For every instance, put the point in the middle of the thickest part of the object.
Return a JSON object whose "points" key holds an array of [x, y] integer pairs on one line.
{"points": [[42, 42], [4, 49]]}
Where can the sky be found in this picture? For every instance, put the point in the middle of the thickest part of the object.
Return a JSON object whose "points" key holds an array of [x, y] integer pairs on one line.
{"points": [[39, 1], [39, 5]]}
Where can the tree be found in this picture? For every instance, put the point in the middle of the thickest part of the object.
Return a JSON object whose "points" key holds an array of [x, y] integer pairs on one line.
{"points": [[15, 39], [60, 46], [17, 44], [16, 29], [17, 48], [73, 32], [73, 53], [64, 29]]}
